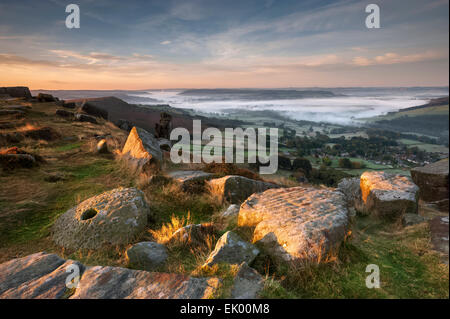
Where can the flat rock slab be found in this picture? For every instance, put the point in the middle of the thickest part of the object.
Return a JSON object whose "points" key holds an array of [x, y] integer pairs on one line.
{"points": [[113, 217], [43, 275], [40, 275], [439, 228], [189, 179], [432, 180], [388, 195], [296, 223], [235, 189], [121, 283]]}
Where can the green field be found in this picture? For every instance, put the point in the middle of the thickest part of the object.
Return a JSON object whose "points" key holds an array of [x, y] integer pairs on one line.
{"points": [[432, 148]]}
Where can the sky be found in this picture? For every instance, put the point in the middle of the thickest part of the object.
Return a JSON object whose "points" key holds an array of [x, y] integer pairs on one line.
{"points": [[223, 44]]}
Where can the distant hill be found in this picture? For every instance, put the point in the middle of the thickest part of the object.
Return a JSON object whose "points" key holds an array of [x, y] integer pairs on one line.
{"points": [[259, 94], [429, 119], [147, 116]]}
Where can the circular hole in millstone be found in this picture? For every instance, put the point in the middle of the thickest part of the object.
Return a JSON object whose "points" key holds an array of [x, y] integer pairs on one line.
{"points": [[90, 213]]}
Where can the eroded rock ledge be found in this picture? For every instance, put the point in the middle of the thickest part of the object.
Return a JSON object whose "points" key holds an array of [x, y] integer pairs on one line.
{"points": [[43, 275]]}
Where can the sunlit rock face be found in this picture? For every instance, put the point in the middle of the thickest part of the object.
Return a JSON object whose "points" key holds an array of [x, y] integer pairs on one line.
{"points": [[432, 180], [43, 275], [141, 151], [235, 189], [296, 223], [122, 283], [113, 217], [388, 195]]}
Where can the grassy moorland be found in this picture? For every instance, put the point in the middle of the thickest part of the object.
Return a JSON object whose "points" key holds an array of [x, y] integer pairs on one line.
{"points": [[31, 200]]}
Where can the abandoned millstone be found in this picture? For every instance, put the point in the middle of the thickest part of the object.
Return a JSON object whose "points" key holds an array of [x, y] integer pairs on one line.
{"points": [[141, 151], [102, 147], [248, 283], [388, 195], [235, 189], [190, 180], [296, 223], [231, 249], [146, 255], [114, 217], [121, 283], [432, 180]]}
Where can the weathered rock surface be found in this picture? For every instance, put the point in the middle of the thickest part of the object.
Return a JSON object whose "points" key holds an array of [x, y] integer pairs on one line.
{"points": [[236, 189], [141, 151], [351, 189], [114, 217], [248, 283], [439, 228], [296, 223], [388, 195], [432, 180], [121, 283], [124, 125], [231, 249], [232, 211], [190, 180], [193, 234], [16, 91], [146, 255], [43, 275], [91, 109]]}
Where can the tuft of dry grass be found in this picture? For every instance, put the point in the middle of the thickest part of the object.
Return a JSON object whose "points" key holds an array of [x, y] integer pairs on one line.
{"points": [[163, 234]]}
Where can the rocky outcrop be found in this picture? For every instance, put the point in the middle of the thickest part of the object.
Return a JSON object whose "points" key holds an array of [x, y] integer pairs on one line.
{"points": [[296, 223], [141, 151], [248, 283], [39, 275], [235, 189], [231, 249], [412, 219], [191, 180], [124, 125], [388, 195], [14, 157], [432, 180], [121, 283], [351, 189], [43, 275], [16, 91], [146, 255], [44, 97], [114, 217]]}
